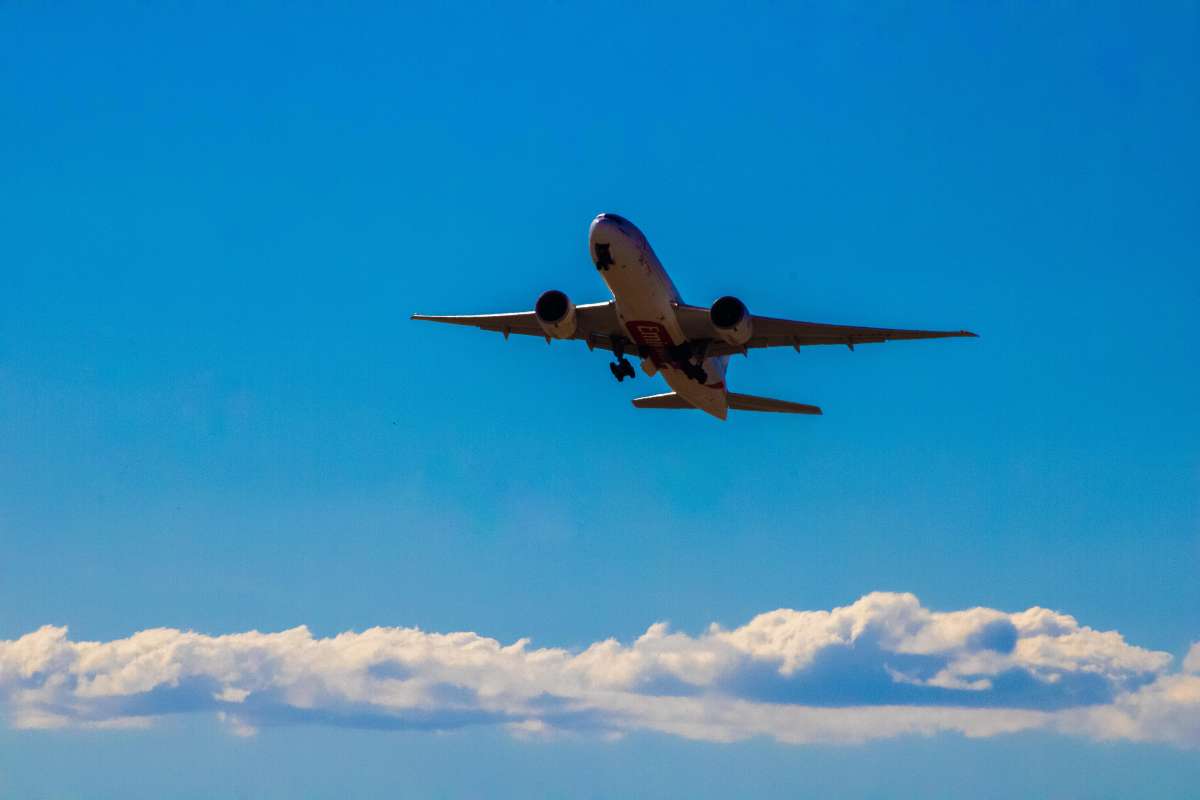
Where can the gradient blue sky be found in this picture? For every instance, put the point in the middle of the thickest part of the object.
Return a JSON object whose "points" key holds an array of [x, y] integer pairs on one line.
{"points": [[216, 415]]}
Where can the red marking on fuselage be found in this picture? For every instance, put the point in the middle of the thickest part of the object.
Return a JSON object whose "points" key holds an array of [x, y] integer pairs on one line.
{"points": [[653, 338]]}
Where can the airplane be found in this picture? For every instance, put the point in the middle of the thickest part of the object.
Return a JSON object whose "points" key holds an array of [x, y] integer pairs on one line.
{"points": [[688, 345]]}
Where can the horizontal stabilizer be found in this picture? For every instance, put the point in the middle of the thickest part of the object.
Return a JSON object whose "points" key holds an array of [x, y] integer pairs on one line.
{"points": [[668, 400], [748, 402], [739, 402]]}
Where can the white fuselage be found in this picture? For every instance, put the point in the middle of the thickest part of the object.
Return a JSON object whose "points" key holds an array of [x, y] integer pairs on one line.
{"points": [[646, 300]]}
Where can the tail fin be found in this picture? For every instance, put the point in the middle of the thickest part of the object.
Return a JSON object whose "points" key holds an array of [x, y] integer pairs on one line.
{"points": [[739, 402]]}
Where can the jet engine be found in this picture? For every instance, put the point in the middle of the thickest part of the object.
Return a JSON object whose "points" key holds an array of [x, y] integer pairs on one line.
{"points": [[556, 314], [732, 321]]}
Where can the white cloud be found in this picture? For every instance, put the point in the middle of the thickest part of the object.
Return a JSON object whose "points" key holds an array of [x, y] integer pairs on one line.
{"points": [[1191, 662], [881, 667]]}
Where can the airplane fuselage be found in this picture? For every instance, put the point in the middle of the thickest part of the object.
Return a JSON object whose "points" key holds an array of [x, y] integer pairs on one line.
{"points": [[646, 301]]}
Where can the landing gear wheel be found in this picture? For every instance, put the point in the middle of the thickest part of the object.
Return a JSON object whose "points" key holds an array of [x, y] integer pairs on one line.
{"points": [[622, 369]]}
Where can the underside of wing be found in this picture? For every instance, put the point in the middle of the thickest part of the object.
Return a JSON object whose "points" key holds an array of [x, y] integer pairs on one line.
{"points": [[524, 322], [597, 323], [771, 332]]}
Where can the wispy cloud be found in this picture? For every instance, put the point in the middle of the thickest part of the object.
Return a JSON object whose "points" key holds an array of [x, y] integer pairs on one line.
{"points": [[881, 667]]}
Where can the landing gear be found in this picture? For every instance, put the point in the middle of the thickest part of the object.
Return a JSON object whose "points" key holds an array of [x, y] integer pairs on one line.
{"points": [[694, 371], [621, 368], [689, 358]]}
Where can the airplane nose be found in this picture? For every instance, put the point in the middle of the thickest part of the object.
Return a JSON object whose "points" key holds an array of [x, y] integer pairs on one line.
{"points": [[616, 219], [612, 224], [599, 225]]}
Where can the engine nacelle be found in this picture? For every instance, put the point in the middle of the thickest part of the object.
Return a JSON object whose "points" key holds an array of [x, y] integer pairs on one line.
{"points": [[732, 321], [556, 314]]}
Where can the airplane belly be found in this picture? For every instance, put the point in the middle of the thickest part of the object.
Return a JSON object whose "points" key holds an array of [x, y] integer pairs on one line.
{"points": [[645, 309], [643, 293]]}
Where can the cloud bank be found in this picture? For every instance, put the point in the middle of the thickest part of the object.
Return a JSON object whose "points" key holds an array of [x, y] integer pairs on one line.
{"points": [[881, 667]]}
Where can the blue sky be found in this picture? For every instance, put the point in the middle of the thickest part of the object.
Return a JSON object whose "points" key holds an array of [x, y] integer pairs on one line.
{"points": [[216, 416]]}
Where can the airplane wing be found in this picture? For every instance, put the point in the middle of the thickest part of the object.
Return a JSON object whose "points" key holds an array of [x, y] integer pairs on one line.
{"points": [[597, 323], [771, 332]]}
